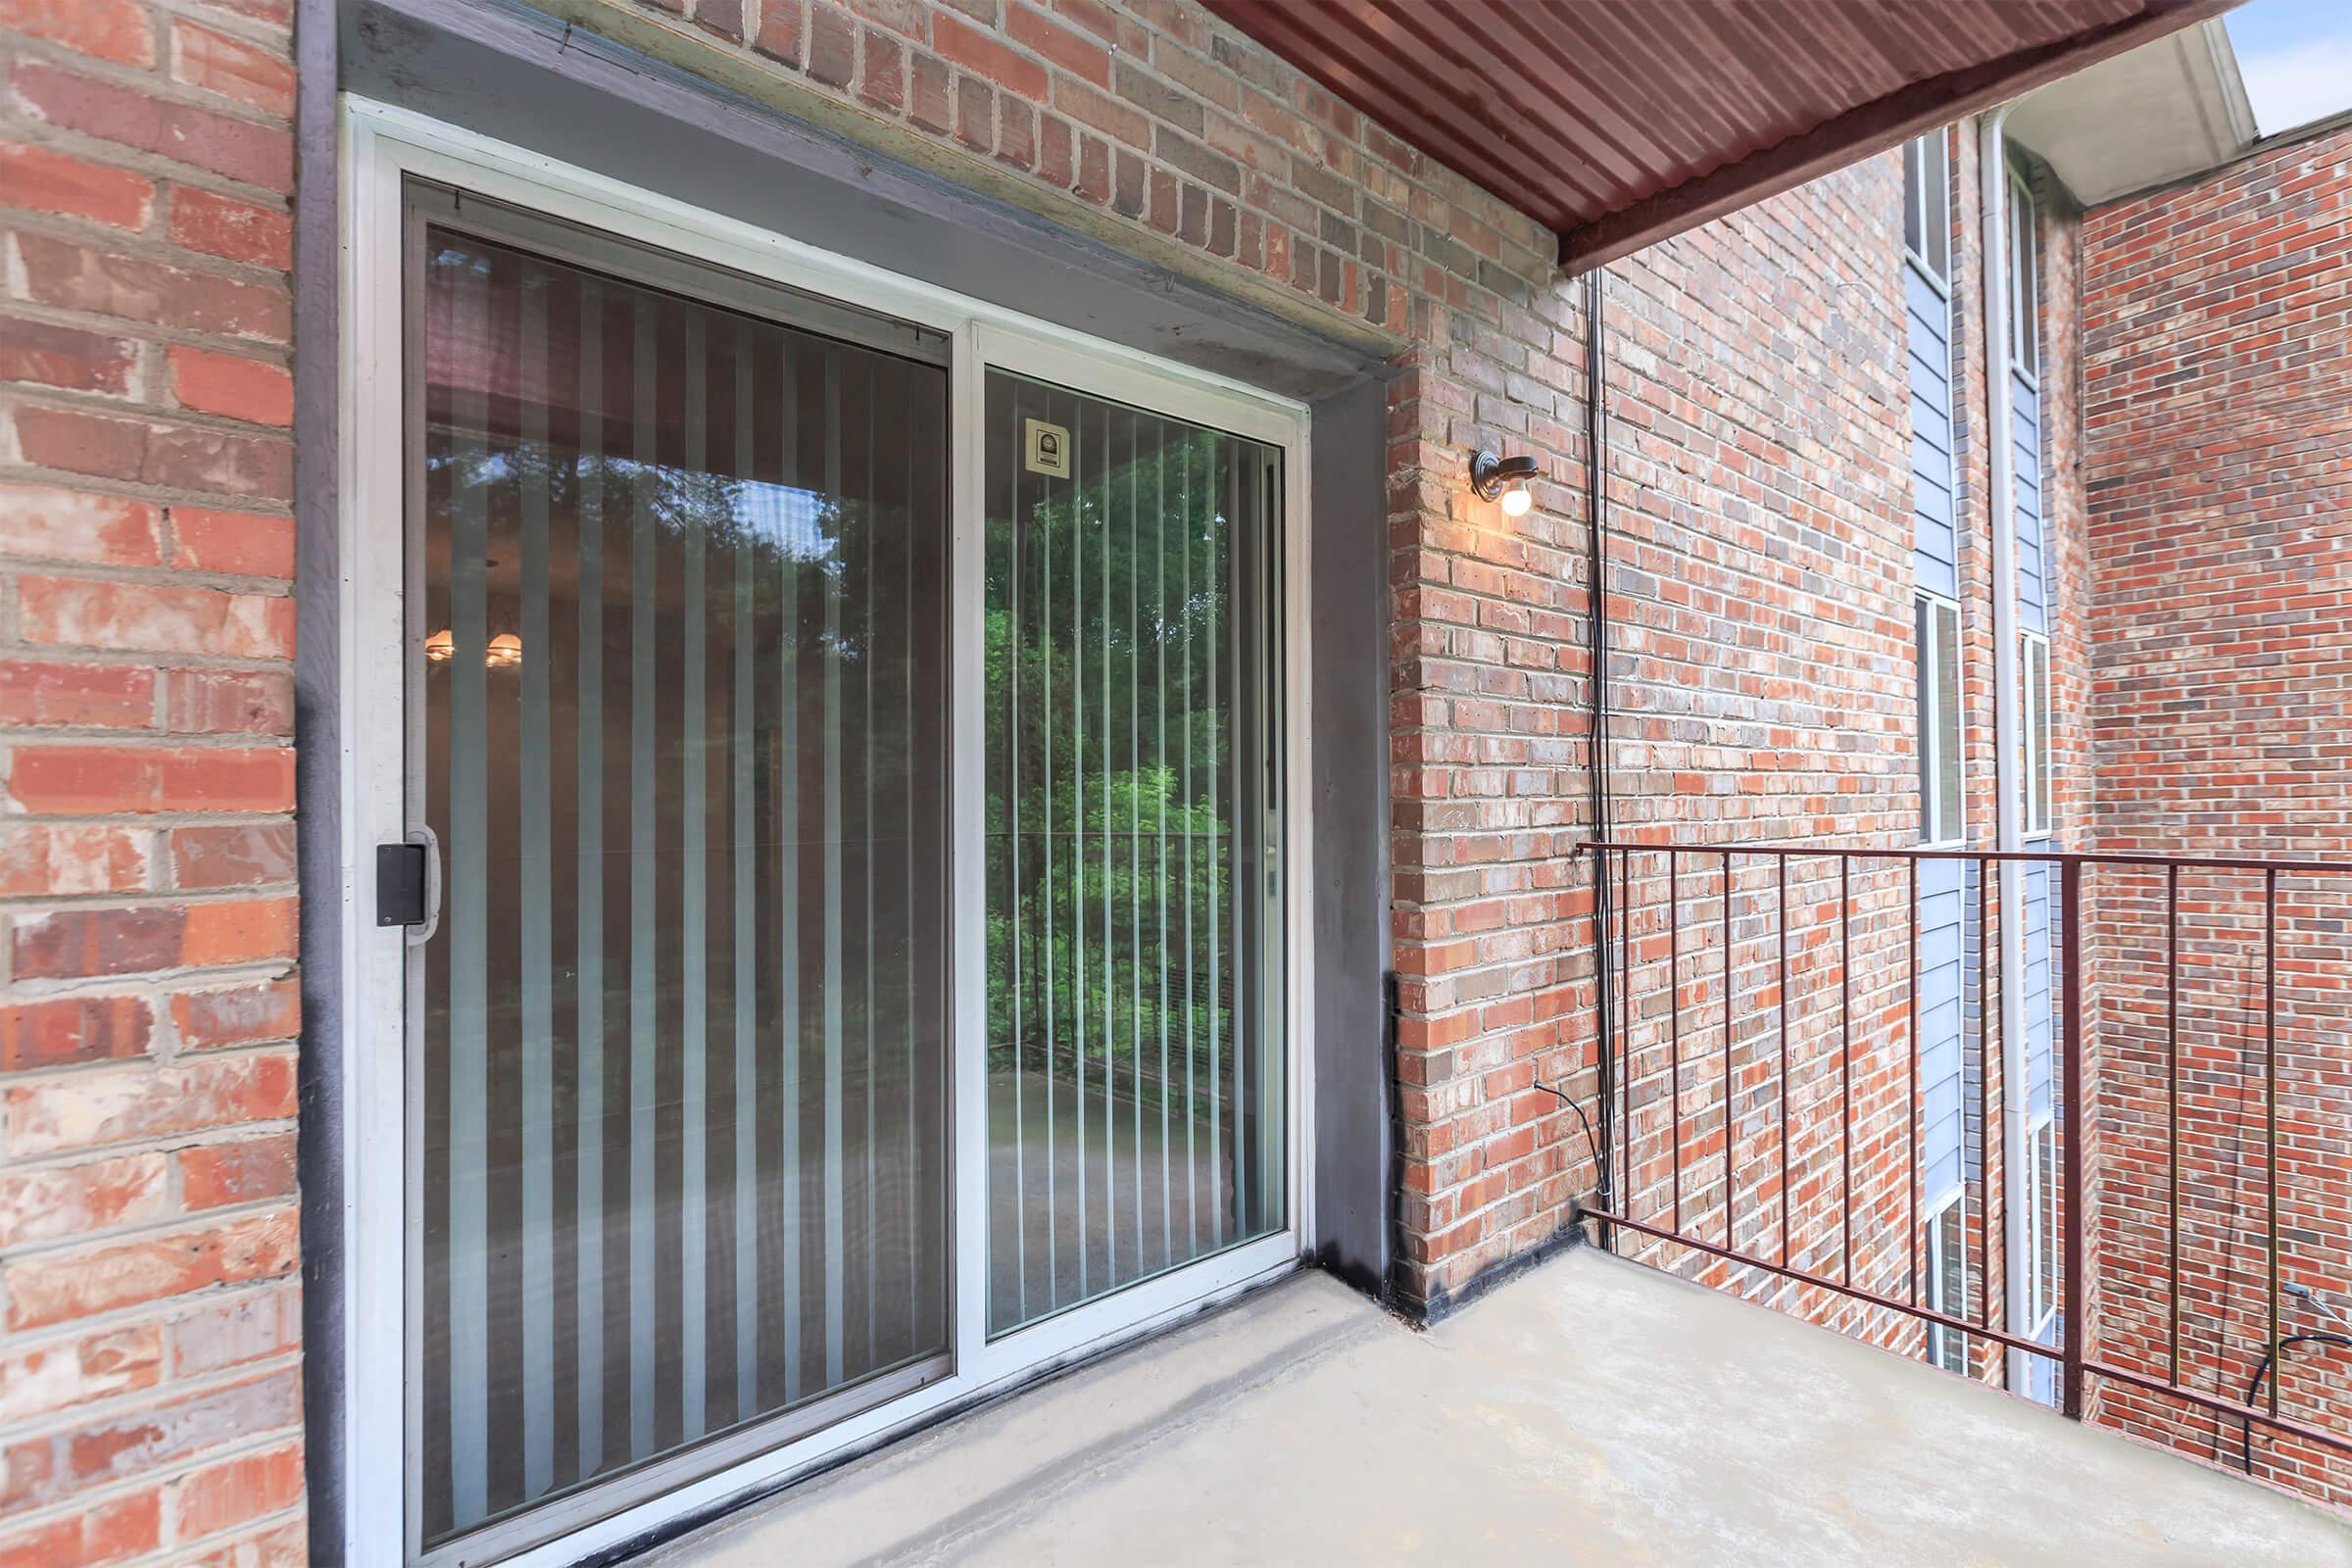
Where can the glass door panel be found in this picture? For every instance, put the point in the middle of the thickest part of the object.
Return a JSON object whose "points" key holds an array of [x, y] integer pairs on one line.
{"points": [[1135, 1100], [679, 1056]]}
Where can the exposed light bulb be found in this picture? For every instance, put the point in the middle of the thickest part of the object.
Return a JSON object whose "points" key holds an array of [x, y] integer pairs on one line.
{"points": [[1516, 501]]}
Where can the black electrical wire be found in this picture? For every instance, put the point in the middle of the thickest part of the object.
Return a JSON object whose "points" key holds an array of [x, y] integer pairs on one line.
{"points": [[1570, 1102], [1597, 750], [2246, 1423]]}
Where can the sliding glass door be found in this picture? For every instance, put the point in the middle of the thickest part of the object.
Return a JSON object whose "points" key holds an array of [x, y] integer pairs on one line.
{"points": [[678, 624], [1136, 1108], [853, 969]]}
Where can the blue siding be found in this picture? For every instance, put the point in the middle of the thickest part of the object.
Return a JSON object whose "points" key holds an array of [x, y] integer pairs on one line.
{"points": [[2035, 993], [1942, 977], [1936, 555], [2032, 567], [1943, 907]]}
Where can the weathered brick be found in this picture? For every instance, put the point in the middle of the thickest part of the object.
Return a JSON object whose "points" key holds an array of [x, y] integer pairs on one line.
{"points": [[247, 1488], [70, 275], [216, 63], [93, 780], [44, 522], [116, 1530], [145, 338], [216, 702], [245, 1171], [251, 1328], [257, 154], [54, 859], [156, 452], [118, 30], [54, 1201], [58, 1374], [85, 613], [142, 1442], [238, 231], [49, 355], [42, 179], [231, 386], [113, 695], [119, 1104], [71, 1030], [237, 1015], [240, 544]]}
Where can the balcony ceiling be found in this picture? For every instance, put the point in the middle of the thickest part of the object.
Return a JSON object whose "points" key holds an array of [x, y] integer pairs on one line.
{"points": [[1621, 121]]}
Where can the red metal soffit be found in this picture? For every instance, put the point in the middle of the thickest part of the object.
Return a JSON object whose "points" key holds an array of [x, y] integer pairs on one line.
{"points": [[1621, 121]]}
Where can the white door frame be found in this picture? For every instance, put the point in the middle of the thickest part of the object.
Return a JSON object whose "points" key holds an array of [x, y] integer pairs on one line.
{"points": [[382, 147]]}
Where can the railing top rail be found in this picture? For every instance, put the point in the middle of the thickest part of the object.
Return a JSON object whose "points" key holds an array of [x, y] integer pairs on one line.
{"points": [[1833, 851]]}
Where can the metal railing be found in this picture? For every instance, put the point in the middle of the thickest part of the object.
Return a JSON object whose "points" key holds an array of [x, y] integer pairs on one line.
{"points": [[1789, 1242]]}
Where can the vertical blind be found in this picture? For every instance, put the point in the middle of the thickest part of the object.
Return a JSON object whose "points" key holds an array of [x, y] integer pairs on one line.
{"points": [[681, 1057], [1135, 1072]]}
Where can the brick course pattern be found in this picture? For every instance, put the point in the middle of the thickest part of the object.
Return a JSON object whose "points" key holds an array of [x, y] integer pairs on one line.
{"points": [[1761, 591], [150, 1396], [2218, 448]]}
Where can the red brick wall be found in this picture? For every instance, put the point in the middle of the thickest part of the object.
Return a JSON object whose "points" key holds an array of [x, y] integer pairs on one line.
{"points": [[2217, 444], [149, 1382], [1760, 644]]}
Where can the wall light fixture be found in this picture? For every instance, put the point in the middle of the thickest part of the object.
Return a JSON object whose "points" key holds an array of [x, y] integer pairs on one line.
{"points": [[1504, 479]]}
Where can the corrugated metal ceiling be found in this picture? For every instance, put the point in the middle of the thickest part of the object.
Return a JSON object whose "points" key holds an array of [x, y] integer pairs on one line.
{"points": [[1617, 122]]}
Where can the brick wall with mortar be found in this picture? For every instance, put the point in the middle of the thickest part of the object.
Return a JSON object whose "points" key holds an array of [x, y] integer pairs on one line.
{"points": [[149, 1371], [1765, 673], [2218, 439], [1760, 491], [1760, 662]]}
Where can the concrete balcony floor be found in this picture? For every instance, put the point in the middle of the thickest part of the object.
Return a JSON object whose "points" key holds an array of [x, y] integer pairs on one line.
{"points": [[1591, 1411]]}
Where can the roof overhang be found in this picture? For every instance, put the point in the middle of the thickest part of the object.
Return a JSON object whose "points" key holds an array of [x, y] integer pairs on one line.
{"points": [[1619, 123], [2166, 111]]}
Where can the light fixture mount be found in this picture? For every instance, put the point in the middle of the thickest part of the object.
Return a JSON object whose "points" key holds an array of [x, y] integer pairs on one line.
{"points": [[1491, 476]]}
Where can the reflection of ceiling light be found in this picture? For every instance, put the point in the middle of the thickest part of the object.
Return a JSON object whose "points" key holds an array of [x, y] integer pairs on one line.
{"points": [[505, 649]]}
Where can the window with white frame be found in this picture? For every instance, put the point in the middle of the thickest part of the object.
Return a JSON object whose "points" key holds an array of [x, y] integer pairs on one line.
{"points": [[1947, 1282], [1936, 630], [1927, 208], [2041, 1199], [2033, 708], [2024, 283]]}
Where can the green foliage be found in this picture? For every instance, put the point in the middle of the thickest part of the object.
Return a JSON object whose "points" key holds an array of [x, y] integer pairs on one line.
{"points": [[1109, 721]]}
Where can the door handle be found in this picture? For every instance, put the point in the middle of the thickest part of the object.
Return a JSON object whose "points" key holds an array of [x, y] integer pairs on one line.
{"points": [[408, 885]]}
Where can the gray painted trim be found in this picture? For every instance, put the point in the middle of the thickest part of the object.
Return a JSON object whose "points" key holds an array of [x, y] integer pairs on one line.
{"points": [[509, 72], [1349, 597], [318, 763]]}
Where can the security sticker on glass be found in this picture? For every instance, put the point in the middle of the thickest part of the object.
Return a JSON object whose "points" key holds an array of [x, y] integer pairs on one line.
{"points": [[1048, 448]]}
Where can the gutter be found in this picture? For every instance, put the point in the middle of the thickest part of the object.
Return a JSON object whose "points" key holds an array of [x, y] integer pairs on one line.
{"points": [[1993, 189]]}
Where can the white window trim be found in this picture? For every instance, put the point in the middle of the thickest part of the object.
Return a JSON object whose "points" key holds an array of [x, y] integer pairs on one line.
{"points": [[2043, 1314], [2033, 736], [1932, 1252], [1941, 282], [383, 145], [1931, 727], [2023, 306]]}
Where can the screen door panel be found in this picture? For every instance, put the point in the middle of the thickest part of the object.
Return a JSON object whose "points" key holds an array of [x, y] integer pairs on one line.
{"points": [[1136, 1119], [680, 1121]]}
